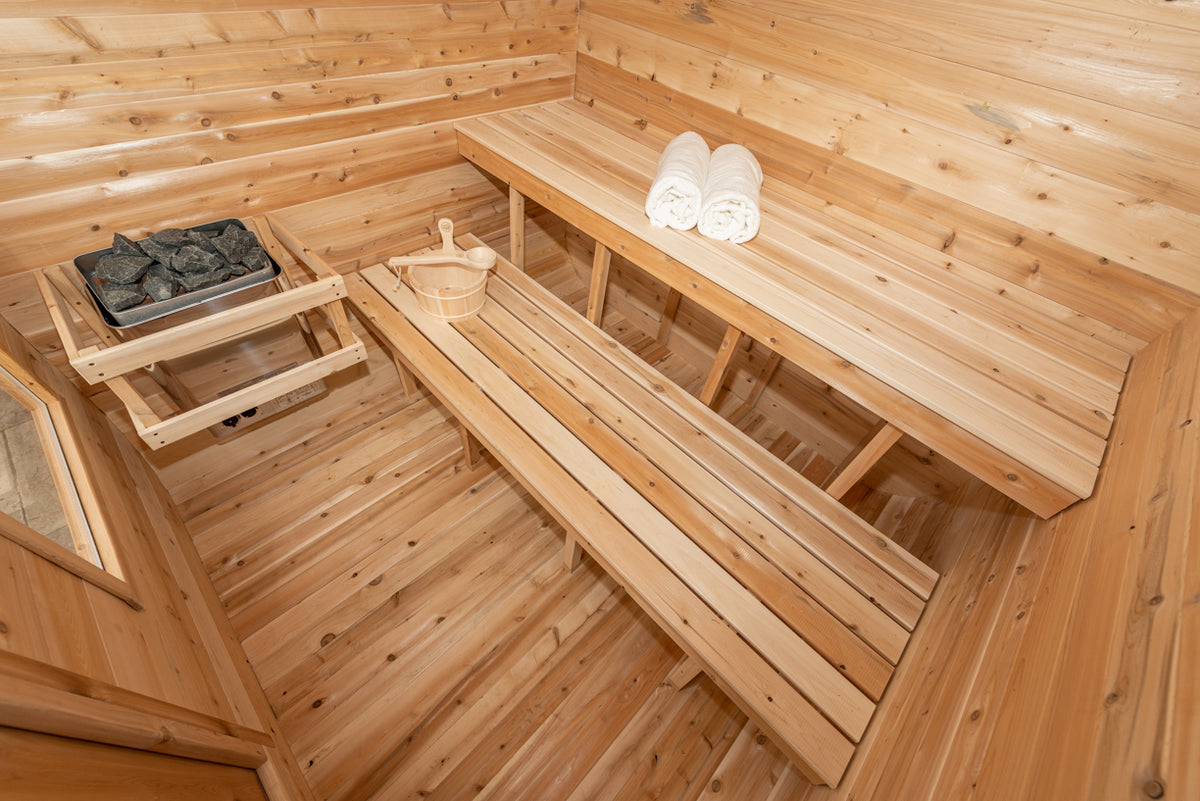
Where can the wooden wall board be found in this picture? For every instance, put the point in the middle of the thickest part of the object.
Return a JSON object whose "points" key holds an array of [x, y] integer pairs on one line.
{"points": [[156, 33], [817, 82], [872, 200], [741, 61], [1128, 62], [133, 81], [245, 109], [33, 767], [149, 158]]}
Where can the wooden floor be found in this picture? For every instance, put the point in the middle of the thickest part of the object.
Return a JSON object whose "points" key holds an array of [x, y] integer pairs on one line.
{"points": [[416, 633]]}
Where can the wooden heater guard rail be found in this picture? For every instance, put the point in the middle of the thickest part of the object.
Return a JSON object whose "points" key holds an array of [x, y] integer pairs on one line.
{"points": [[117, 356]]}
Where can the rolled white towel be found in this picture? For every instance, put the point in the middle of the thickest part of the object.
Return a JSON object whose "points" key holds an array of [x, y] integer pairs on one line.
{"points": [[676, 194], [730, 209]]}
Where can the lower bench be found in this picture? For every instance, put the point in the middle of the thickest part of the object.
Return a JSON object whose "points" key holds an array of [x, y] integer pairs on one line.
{"points": [[794, 606]]}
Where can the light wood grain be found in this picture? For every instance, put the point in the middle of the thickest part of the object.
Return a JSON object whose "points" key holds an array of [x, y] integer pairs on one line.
{"points": [[611, 176]]}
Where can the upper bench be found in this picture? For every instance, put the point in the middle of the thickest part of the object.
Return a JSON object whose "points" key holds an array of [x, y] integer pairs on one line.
{"points": [[1018, 390]]}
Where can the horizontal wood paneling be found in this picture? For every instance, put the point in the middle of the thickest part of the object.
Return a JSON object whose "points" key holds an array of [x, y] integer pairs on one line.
{"points": [[34, 767], [228, 110], [1073, 126], [44, 40]]}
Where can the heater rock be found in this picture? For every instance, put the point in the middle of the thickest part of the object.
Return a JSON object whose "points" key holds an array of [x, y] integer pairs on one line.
{"points": [[234, 242], [203, 240], [122, 269], [124, 246], [256, 259], [158, 251], [171, 237], [122, 296], [160, 283], [192, 281], [191, 259]]}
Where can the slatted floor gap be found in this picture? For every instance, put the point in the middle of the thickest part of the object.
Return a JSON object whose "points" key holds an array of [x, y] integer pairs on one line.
{"points": [[414, 629]]}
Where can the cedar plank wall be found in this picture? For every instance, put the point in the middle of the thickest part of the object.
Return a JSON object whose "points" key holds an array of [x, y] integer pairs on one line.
{"points": [[132, 115], [172, 650], [1066, 130], [1063, 132]]}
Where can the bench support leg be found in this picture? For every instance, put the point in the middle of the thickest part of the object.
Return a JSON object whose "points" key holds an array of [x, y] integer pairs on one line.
{"points": [[684, 673], [760, 384], [599, 285], [572, 553], [668, 317], [408, 381], [472, 448], [864, 456], [516, 228], [716, 376]]}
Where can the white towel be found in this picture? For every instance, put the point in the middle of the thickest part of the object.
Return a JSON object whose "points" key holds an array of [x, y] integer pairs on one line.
{"points": [[675, 196], [730, 209]]}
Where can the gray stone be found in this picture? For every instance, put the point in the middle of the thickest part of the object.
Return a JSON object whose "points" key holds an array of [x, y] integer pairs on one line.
{"points": [[191, 259], [158, 251], [124, 246], [122, 269], [202, 240], [160, 283], [201, 280], [256, 259], [234, 242], [171, 237], [119, 297]]}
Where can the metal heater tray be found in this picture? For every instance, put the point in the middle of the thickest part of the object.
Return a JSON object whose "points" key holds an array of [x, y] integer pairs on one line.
{"points": [[151, 309]]}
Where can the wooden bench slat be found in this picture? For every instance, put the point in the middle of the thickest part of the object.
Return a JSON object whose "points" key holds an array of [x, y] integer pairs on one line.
{"points": [[847, 707], [849, 331], [999, 468], [843, 541], [1048, 326], [778, 282], [816, 745], [734, 489], [803, 613], [716, 516]]}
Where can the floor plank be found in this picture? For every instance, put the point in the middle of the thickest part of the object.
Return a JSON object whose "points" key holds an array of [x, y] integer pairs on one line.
{"points": [[417, 635]]}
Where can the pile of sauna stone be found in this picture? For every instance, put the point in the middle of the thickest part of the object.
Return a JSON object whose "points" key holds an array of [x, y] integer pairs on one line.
{"points": [[173, 261]]}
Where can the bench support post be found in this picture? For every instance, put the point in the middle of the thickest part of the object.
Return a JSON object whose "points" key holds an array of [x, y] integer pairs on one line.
{"points": [[408, 382], [516, 228], [864, 456], [716, 376], [572, 553], [472, 448], [668, 316], [684, 673], [599, 285], [760, 384]]}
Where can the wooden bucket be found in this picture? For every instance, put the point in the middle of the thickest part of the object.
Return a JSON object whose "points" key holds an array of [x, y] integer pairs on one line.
{"points": [[448, 291]]}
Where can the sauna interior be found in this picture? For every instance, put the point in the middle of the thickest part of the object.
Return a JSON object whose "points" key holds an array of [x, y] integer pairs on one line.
{"points": [[345, 597]]}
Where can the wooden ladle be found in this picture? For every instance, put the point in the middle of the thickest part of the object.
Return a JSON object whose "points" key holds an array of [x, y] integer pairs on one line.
{"points": [[477, 258]]}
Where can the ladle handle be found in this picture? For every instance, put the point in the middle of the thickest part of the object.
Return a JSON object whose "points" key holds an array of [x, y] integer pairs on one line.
{"points": [[446, 226]]}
